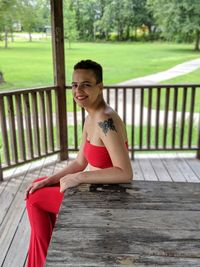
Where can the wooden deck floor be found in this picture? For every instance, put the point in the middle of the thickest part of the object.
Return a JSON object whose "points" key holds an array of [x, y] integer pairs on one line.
{"points": [[14, 227]]}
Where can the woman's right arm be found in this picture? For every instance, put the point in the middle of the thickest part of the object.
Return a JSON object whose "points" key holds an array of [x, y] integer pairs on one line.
{"points": [[77, 165]]}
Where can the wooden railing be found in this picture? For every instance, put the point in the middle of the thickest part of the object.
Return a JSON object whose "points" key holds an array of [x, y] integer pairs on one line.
{"points": [[28, 125], [157, 117]]}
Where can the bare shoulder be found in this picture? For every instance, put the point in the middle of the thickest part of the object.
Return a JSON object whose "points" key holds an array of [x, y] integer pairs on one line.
{"points": [[109, 121]]}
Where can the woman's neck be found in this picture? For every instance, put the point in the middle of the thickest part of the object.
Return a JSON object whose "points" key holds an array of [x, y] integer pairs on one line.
{"points": [[99, 105]]}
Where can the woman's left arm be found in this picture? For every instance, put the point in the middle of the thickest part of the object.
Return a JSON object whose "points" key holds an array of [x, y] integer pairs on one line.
{"points": [[121, 172]]}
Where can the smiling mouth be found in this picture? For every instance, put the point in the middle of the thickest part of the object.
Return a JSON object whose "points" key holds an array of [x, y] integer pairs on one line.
{"points": [[81, 97]]}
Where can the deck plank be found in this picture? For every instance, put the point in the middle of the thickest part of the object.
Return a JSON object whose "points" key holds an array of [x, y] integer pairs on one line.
{"points": [[147, 170], [14, 229], [20, 239], [160, 169], [8, 174], [187, 171], [13, 216], [195, 166], [11, 189], [173, 170], [137, 172], [17, 252]]}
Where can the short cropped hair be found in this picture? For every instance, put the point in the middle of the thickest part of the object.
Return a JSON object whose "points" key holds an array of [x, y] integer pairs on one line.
{"points": [[91, 65]]}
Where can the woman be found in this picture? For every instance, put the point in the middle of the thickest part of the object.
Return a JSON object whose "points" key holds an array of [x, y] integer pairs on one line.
{"points": [[103, 147]]}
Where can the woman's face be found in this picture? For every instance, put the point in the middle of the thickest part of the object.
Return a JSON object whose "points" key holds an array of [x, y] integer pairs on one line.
{"points": [[85, 89]]}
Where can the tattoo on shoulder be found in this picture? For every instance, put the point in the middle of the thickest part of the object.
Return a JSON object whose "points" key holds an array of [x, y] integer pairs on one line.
{"points": [[107, 125]]}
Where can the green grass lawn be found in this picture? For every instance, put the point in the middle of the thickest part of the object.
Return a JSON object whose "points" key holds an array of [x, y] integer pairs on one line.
{"points": [[28, 65]]}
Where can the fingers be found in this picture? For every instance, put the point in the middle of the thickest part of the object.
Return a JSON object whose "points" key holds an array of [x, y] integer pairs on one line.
{"points": [[66, 186], [62, 187], [27, 192], [32, 188]]}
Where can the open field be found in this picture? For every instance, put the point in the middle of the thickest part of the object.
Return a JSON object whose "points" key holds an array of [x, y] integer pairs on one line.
{"points": [[26, 64]]}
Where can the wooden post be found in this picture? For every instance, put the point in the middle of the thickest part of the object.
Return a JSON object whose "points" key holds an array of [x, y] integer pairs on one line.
{"points": [[198, 150], [1, 171], [59, 73]]}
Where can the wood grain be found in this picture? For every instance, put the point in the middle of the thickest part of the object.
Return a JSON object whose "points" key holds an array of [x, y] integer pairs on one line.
{"points": [[151, 224]]}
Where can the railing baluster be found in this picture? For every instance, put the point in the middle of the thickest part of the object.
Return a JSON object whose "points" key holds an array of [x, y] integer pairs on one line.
{"points": [[192, 104], [133, 124], [174, 117], [28, 130], [149, 118], [157, 118], [12, 128], [4, 132], [83, 116], [198, 140], [1, 171], [108, 95], [116, 99], [183, 117], [20, 127], [166, 117], [36, 131], [49, 120], [75, 126], [43, 123], [141, 118], [57, 121], [124, 105]]}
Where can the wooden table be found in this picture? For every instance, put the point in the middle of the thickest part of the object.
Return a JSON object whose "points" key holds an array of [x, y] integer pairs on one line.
{"points": [[149, 224]]}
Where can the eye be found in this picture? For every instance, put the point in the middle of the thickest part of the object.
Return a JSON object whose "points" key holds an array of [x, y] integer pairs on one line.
{"points": [[86, 85], [74, 86]]}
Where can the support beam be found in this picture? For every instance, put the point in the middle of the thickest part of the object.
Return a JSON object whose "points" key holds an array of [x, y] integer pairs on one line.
{"points": [[1, 171], [59, 73], [198, 145]]}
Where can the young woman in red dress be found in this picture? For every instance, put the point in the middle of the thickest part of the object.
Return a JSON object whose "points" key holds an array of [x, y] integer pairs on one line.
{"points": [[103, 147]]}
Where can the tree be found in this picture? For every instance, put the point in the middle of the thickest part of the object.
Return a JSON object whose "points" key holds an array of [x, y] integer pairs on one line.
{"points": [[86, 12], [178, 19], [105, 23], [8, 16], [43, 15], [70, 26], [123, 16], [29, 16]]}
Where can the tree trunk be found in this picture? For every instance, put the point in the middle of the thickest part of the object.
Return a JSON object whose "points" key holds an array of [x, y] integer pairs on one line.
{"points": [[149, 28], [12, 37], [197, 40], [30, 37], [6, 38], [127, 32], [136, 33]]}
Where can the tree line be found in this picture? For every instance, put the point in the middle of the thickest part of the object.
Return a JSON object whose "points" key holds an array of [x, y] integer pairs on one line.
{"points": [[108, 20]]}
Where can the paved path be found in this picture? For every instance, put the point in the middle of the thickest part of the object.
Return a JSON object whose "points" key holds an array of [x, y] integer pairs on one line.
{"points": [[178, 70]]}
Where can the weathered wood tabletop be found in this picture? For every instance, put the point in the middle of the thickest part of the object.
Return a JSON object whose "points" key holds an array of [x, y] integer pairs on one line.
{"points": [[150, 224]]}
